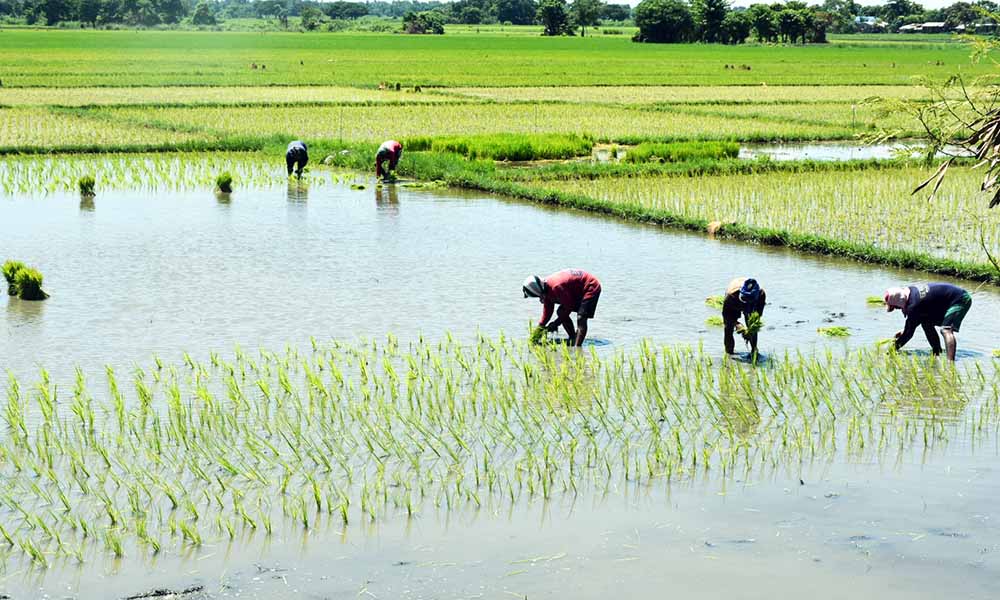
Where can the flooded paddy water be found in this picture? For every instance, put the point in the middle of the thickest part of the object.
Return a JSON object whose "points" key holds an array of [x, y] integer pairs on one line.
{"points": [[138, 274]]}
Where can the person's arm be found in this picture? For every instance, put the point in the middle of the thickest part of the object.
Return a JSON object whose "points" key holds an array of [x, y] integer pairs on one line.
{"points": [[547, 308], [581, 330], [904, 336], [932, 337]]}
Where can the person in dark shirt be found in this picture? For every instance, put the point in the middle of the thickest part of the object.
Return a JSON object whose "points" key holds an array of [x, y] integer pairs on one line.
{"points": [[744, 296], [930, 305], [573, 290], [296, 157]]}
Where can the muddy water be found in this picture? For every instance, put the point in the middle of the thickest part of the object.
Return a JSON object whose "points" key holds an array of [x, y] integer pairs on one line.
{"points": [[142, 273]]}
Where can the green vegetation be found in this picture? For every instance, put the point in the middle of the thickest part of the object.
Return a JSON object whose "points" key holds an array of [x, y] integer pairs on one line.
{"points": [[878, 301], [834, 331], [10, 271], [86, 185], [871, 208], [224, 182], [715, 321], [681, 151], [715, 302], [93, 58], [753, 325], [517, 147], [23, 281], [180, 456]]}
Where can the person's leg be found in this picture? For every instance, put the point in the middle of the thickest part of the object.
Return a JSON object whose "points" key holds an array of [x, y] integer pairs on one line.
{"points": [[949, 342], [289, 162], [953, 322]]}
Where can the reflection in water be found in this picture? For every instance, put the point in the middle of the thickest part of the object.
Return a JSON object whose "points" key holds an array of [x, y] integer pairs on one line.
{"points": [[86, 203], [223, 197], [387, 199], [298, 190]]}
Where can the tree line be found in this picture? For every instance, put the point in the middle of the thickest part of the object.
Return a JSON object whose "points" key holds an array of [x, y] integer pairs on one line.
{"points": [[658, 20]]}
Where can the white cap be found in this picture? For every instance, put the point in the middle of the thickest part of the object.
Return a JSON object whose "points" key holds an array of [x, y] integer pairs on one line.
{"points": [[533, 286]]}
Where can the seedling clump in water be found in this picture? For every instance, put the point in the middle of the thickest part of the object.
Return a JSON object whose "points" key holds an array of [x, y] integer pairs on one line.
{"points": [[224, 182], [714, 321], [715, 301], [10, 269], [834, 331], [28, 282], [86, 185]]}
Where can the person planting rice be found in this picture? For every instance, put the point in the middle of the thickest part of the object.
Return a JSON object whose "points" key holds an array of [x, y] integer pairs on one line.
{"points": [[296, 156], [573, 290], [389, 151], [930, 305], [745, 297]]}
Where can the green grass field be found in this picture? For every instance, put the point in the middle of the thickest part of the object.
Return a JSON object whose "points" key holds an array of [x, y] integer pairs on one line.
{"points": [[151, 58]]}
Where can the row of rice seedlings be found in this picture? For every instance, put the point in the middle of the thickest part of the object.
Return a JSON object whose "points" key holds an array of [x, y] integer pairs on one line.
{"points": [[711, 94], [368, 123], [35, 175], [42, 128], [176, 456], [873, 207], [89, 96]]}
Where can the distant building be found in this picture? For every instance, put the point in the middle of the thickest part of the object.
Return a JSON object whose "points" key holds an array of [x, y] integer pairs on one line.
{"points": [[869, 24], [928, 27]]}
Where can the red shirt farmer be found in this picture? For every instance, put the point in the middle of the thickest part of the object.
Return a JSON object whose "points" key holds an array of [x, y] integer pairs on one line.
{"points": [[574, 290], [389, 151]]}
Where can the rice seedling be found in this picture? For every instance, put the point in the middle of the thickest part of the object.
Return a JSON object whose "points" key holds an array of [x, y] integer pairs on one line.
{"points": [[239, 445], [714, 321], [367, 123], [834, 331], [10, 269], [23, 281], [753, 325], [874, 208], [875, 301], [224, 182], [504, 146], [676, 94], [86, 185], [681, 151], [715, 302], [996, 353]]}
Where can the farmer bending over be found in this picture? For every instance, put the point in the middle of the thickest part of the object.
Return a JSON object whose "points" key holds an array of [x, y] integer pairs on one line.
{"points": [[296, 156], [930, 305], [744, 296], [389, 151], [574, 291]]}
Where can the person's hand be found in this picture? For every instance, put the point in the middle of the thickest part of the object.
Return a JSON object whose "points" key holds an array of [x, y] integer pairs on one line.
{"points": [[552, 327], [740, 328], [898, 335]]}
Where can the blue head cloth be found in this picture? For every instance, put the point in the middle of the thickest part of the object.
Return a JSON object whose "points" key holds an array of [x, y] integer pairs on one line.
{"points": [[750, 292]]}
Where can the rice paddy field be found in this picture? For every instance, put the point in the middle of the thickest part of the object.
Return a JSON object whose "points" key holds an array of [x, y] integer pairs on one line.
{"points": [[324, 388]]}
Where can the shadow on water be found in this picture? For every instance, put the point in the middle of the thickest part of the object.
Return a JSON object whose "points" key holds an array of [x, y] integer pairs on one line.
{"points": [[748, 358], [960, 353]]}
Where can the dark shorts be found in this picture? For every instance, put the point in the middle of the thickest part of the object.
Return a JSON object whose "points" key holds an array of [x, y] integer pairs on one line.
{"points": [[294, 157], [956, 313], [589, 306]]}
